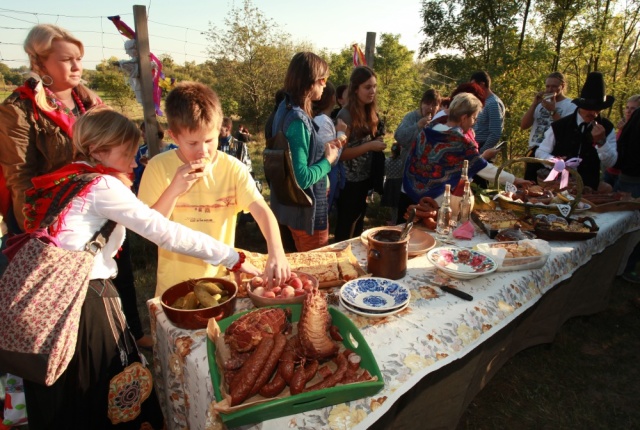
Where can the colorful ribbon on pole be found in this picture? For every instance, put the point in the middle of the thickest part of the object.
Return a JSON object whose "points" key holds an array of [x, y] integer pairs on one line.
{"points": [[156, 72], [358, 56], [559, 168]]}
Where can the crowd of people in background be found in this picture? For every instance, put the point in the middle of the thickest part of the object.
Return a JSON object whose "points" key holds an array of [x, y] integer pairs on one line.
{"points": [[187, 198]]}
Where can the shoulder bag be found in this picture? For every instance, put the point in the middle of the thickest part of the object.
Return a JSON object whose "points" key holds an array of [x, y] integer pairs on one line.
{"points": [[41, 297], [278, 169]]}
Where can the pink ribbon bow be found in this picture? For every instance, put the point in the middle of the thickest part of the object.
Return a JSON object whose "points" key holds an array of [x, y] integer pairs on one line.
{"points": [[560, 168]]}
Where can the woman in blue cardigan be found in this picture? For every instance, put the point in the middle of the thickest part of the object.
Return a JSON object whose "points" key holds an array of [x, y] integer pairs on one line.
{"points": [[304, 82]]}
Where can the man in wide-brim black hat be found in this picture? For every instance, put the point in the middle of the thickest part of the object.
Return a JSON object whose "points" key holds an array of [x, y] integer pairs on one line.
{"points": [[584, 134]]}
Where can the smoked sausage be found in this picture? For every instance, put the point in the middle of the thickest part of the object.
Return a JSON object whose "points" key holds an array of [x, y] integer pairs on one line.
{"points": [[249, 372]]}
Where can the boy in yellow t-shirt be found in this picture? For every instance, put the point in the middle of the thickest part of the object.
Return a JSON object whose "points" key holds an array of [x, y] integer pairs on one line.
{"points": [[200, 187]]}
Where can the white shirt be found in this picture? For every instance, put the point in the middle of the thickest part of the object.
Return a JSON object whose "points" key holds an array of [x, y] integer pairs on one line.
{"points": [[607, 153], [109, 198], [542, 120]]}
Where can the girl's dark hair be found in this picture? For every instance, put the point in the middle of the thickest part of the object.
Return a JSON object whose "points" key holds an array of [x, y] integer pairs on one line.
{"points": [[339, 91], [328, 99], [304, 70], [364, 119], [395, 151]]}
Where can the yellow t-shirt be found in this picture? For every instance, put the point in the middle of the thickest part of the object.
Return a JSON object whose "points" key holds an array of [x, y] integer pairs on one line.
{"points": [[210, 206]]}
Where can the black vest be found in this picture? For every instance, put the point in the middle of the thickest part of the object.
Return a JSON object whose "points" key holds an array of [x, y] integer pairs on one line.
{"points": [[570, 142]]}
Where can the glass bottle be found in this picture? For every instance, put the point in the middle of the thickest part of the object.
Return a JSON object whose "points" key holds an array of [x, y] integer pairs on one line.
{"points": [[443, 225], [458, 191], [465, 204]]}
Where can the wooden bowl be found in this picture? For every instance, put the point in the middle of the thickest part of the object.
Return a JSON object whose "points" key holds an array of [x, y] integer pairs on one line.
{"points": [[259, 301], [193, 319]]}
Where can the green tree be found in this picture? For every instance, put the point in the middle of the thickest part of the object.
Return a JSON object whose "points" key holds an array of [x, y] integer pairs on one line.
{"points": [[112, 82], [484, 31], [250, 58], [10, 76], [340, 66], [398, 85]]}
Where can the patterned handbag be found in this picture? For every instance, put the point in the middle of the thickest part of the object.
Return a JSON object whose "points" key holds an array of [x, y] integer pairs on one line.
{"points": [[41, 297]]}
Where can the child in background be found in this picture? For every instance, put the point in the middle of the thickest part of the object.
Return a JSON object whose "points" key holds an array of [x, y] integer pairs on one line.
{"points": [[200, 187], [142, 157], [394, 168]]}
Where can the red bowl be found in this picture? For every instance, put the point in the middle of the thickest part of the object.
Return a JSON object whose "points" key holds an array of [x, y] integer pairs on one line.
{"points": [[192, 319]]}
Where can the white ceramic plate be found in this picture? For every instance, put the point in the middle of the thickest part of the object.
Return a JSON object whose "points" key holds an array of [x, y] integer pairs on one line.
{"points": [[419, 240], [378, 294], [370, 313], [461, 263]]}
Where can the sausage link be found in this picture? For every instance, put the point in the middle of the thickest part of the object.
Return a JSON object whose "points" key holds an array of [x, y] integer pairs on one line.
{"points": [[334, 378], [302, 375], [287, 364], [274, 387], [249, 372], [325, 372], [429, 203], [334, 331], [280, 341]]}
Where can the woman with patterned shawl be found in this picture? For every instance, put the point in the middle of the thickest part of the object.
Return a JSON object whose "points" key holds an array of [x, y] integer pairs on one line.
{"points": [[437, 155]]}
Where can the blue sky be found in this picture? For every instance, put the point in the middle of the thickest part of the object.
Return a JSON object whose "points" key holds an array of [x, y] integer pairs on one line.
{"points": [[175, 27]]}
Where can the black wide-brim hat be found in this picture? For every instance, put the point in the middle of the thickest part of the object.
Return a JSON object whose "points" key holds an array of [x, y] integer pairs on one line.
{"points": [[592, 96]]}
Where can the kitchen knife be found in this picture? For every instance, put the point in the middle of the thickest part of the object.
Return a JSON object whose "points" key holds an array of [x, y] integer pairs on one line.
{"points": [[456, 292]]}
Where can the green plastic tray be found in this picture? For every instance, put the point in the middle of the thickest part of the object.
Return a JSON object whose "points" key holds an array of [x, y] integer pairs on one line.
{"points": [[306, 401]]}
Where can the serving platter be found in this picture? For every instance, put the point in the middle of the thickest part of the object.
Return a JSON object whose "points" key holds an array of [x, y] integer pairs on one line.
{"points": [[419, 240], [375, 294], [461, 263]]}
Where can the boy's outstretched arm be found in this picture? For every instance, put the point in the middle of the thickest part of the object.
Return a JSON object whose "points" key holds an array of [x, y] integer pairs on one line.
{"points": [[277, 269]]}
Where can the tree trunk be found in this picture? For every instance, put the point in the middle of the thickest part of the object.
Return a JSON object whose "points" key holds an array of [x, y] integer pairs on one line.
{"points": [[524, 27], [601, 34]]}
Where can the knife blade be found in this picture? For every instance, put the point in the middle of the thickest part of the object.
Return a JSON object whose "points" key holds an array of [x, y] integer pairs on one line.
{"points": [[456, 292]]}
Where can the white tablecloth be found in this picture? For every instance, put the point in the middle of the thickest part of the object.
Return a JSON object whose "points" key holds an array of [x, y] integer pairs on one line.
{"points": [[435, 330]]}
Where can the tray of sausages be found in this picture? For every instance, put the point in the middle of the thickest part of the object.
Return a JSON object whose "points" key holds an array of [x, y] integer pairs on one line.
{"points": [[256, 378]]}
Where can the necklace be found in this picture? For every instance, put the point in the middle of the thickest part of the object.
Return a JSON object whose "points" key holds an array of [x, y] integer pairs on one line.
{"points": [[61, 106]]}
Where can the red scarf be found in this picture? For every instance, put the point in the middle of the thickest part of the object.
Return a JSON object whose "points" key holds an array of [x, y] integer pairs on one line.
{"points": [[62, 119], [54, 187]]}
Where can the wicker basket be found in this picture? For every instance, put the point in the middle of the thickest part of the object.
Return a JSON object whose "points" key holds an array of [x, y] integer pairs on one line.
{"points": [[529, 208]]}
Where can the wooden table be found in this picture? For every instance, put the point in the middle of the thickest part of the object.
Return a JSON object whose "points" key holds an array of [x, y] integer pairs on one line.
{"points": [[436, 355]]}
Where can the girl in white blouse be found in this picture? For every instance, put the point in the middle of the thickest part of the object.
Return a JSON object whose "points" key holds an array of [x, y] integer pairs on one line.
{"points": [[105, 142]]}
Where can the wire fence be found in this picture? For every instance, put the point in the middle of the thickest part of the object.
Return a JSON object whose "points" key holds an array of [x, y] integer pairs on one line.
{"points": [[100, 37]]}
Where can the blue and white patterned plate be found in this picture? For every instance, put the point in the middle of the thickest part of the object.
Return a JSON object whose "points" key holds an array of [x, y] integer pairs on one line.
{"points": [[372, 314], [375, 294]]}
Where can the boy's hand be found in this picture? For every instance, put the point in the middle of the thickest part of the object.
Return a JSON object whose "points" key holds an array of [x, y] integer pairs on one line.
{"points": [[247, 268], [186, 176]]}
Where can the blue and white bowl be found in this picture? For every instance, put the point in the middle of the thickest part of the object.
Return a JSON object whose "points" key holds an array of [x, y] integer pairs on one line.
{"points": [[378, 294]]}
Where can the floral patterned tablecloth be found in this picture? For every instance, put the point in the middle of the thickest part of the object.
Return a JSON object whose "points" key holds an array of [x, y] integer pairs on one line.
{"points": [[433, 331]]}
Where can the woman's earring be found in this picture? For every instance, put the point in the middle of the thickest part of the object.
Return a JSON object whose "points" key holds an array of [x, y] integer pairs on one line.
{"points": [[44, 80]]}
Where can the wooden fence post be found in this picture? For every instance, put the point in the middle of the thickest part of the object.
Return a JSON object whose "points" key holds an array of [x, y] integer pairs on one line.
{"points": [[370, 48], [146, 81]]}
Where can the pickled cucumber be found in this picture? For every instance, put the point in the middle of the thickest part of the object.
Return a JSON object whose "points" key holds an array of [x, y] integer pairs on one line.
{"points": [[205, 298], [211, 287], [190, 301], [179, 303]]}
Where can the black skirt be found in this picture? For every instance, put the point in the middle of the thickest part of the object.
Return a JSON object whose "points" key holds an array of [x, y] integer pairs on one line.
{"points": [[79, 398]]}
